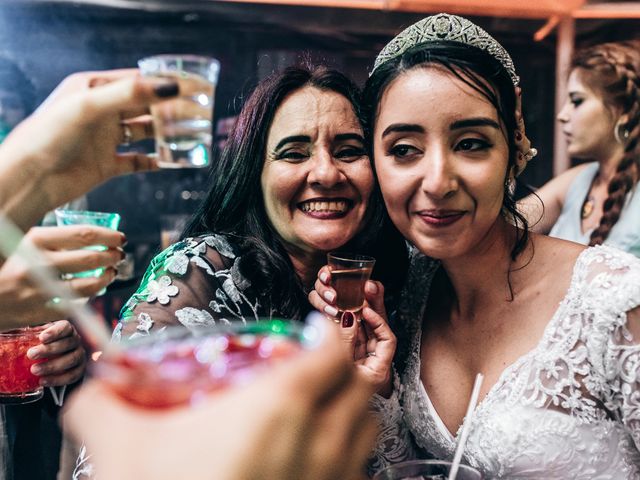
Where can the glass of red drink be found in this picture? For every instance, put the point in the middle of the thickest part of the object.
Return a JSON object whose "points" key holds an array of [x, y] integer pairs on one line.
{"points": [[179, 366], [349, 273], [17, 383]]}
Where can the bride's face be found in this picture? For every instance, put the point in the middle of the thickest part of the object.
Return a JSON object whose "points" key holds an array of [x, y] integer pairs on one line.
{"points": [[441, 157]]}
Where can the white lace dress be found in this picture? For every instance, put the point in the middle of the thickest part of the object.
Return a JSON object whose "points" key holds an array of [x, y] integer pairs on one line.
{"points": [[570, 408]]}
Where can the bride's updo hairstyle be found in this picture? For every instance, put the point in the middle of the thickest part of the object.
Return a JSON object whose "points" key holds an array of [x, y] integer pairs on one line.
{"points": [[473, 56]]}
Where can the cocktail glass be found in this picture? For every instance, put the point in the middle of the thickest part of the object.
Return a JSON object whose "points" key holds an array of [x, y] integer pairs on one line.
{"points": [[426, 470], [84, 217], [17, 383], [180, 366], [183, 125], [349, 273]]}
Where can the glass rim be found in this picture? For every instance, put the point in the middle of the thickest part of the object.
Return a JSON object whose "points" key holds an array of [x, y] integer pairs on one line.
{"points": [[190, 57], [23, 331], [410, 463], [85, 213], [350, 257], [264, 326]]}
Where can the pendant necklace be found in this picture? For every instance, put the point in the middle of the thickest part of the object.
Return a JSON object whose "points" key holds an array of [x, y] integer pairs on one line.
{"points": [[587, 207], [590, 202]]}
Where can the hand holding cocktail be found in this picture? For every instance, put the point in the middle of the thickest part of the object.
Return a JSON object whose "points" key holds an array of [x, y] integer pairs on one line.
{"points": [[371, 342], [306, 418]]}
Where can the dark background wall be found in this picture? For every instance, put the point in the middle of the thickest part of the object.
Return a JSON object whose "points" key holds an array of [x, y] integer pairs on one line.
{"points": [[50, 40]]}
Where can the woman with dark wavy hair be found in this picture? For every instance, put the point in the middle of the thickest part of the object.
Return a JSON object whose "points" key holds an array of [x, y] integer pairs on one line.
{"points": [[598, 202], [553, 326], [294, 182]]}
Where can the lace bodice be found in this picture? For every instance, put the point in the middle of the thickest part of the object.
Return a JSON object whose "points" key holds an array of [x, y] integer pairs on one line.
{"points": [[570, 408]]}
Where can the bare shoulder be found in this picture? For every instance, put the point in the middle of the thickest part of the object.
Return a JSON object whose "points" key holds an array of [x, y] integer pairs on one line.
{"points": [[556, 256], [561, 183]]}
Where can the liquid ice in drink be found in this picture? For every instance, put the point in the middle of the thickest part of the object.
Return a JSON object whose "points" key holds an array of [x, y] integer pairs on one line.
{"points": [[172, 372], [17, 383]]}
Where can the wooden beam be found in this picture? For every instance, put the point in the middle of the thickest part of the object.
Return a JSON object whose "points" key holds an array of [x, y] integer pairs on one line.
{"points": [[564, 52]]}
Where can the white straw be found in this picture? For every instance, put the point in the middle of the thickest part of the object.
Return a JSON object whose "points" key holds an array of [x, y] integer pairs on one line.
{"points": [[464, 433], [93, 328]]}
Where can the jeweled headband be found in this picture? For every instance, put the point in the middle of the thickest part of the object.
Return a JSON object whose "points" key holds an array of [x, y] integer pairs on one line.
{"points": [[448, 28]]}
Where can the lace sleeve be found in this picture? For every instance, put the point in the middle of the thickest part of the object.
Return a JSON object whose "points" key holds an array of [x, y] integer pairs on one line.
{"points": [[394, 443], [615, 296], [194, 282]]}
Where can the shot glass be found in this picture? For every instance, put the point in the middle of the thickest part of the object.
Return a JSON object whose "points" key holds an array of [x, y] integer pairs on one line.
{"points": [[349, 273], [17, 383], [183, 125], [426, 470], [180, 366], [83, 217]]}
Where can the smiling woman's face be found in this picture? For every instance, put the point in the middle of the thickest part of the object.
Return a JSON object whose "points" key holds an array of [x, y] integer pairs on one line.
{"points": [[316, 180], [441, 157]]}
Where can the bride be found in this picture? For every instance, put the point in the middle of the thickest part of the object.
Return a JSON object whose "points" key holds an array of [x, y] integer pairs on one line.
{"points": [[552, 325]]}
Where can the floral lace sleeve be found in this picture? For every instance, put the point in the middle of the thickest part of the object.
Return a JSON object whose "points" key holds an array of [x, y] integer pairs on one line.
{"points": [[394, 443], [194, 282], [615, 291]]}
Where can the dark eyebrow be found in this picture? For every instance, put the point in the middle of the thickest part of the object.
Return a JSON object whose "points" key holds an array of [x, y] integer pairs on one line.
{"points": [[474, 122], [293, 139], [349, 136], [401, 128]]}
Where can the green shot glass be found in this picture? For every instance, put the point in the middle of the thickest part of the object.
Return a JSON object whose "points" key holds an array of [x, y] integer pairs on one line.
{"points": [[84, 217]]}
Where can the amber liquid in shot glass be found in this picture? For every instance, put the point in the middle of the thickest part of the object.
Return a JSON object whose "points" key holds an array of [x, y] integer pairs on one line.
{"points": [[349, 273]]}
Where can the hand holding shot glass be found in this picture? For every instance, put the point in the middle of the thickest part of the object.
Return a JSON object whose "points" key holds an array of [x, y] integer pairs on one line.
{"points": [[349, 273], [183, 125], [84, 217]]}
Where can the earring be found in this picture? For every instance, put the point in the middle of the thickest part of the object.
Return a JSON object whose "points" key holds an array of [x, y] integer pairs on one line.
{"points": [[621, 134], [510, 186]]}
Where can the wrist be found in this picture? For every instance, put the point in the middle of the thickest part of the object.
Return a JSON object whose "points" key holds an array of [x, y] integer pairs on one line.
{"points": [[23, 193]]}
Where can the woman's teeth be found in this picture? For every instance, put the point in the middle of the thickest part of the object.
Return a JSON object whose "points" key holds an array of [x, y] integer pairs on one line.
{"points": [[339, 206]]}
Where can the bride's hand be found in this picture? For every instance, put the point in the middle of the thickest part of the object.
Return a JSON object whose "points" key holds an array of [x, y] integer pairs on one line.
{"points": [[371, 341]]}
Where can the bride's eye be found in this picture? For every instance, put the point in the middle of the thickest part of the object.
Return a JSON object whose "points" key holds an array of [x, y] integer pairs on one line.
{"points": [[473, 145], [403, 151]]}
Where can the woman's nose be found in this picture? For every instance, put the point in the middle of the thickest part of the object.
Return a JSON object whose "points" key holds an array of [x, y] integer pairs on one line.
{"points": [[563, 114], [325, 170], [440, 180]]}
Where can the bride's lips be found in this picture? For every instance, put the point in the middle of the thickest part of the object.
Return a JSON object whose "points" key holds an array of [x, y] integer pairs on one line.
{"points": [[440, 218], [326, 208]]}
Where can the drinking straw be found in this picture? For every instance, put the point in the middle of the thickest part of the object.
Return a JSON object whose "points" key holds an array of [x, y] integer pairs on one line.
{"points": [[464, 433], [90, 325]]}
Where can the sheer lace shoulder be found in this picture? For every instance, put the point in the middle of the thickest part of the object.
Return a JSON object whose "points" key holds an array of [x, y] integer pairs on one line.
{"points": [[194, 282]]}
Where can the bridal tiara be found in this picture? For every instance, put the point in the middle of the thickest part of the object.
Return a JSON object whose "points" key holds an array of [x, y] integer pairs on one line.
{"points": [[445, 27]]}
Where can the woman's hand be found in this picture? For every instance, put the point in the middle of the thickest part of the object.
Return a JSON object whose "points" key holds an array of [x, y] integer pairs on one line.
{"points": [[311, 422], [63, 357], [371, 341], [70, 144], [25, 303]]}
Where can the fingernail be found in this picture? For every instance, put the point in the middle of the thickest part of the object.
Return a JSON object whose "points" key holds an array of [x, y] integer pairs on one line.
{"points": [[347, 320], [372, 288], [329, 296], [122, 255], [36, 369], [166, 90], [324, 277], [123, 240], [45, 337], [518, 135], [329, 310], [32, 353], [44, 383]]}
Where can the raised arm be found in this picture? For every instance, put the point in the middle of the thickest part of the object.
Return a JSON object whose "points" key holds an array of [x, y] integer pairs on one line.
{"points": [[543, 208]]}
